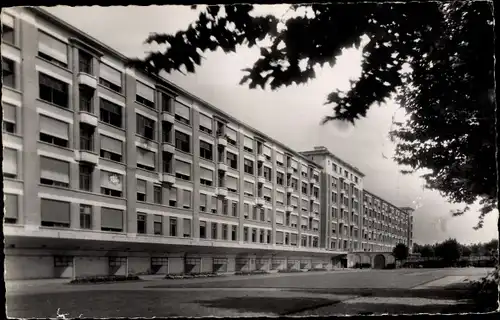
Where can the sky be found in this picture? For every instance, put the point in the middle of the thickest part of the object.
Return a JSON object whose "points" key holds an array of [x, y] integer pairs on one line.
{"points": [[298, 108]]}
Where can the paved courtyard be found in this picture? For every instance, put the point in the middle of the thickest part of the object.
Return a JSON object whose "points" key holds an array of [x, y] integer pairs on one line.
{"points": [[319, 293]]}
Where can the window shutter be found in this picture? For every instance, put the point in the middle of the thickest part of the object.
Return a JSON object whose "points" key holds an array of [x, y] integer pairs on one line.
{"points": [[279, 217], [110, 74], [187, 198], [206, 121], [10, 161], [249, 187], [141, 186], [145, 157], [183, 167], [52, 47], [8, 20], [279, 157], [11, 206], [111, 218], [279, 236], [231, 134], [55, 211], [107, 183], [53, 169], [111, 145], [206, 174], [54, 127], [182, 110], [145, 91], [9, 112], [248, 142], [267, 151], [232, 182]]}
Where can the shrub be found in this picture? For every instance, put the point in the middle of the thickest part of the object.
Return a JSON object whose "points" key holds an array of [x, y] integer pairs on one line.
{"points": [[103, 279], [318, 269], [192, 275], [289, 270], [247, 273], [484, 293]]}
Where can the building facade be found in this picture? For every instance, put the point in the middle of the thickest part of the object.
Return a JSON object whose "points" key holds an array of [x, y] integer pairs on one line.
{"points": [[108, 170]]}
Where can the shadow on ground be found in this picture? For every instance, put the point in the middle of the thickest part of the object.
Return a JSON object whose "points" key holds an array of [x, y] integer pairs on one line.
{"points": [[279, 306]]}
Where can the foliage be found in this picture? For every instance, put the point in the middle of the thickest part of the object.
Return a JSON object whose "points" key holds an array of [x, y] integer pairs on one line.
{"points": [[448, 250], [427, 251], [448, 92], [400, 252], [484, 293], [104, 279]]}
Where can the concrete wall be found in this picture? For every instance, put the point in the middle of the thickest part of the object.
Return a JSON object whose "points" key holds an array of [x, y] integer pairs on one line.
{"points": [[139, 265], [29, 267], [91, 266]]}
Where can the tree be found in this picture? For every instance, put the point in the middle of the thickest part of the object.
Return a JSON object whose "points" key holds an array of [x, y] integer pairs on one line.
{"points": [[466, 251], [449, 251], [447, 91], [400, 252], [427, 251]]}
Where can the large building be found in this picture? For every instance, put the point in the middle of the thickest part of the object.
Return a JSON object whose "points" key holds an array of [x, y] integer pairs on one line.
{"points": [[108, 170]]}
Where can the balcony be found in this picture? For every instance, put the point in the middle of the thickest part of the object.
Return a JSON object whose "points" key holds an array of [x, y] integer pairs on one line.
{"points": [[221, 192], [168, 147], [167, 117], [289, 189], [289, 170], [261, 180], [88, 118], [222, 166], [167, 178], [289, 209], [221, 140], [87, 80], [313, 198], [259, 201], [314, 180], [87, 156], [261, 158]]}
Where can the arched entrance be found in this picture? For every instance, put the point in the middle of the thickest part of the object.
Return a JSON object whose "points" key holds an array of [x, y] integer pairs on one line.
{"points": [[379, 261]]}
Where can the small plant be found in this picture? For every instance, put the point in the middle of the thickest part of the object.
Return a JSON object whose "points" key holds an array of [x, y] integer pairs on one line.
{"points": [[62, 316]]}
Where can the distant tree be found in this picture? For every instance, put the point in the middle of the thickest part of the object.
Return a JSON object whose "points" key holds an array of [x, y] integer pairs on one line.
{"points": [[400, 252], [448, 250], [427, 251], [416, 248], [448, 92], [466, 251], [490, 247]]}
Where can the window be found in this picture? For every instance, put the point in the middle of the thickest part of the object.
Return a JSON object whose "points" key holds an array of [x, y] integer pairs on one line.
{"points": [[233, 233], [157, 194], [158, 225], [55, 213], [248, 144], [206, 176], [63, 261], [186, 204], [304, 188], [231, 136], [203, 229], [280, 159], [262, 214], [111, 219], [173, 226], [246, 210], [52, 49], [146, 159], [249, 188], [206, 150], [111, 149], [214, 230], [206, 124], [86, 177], [145, 127], [86, 137], [54, 131], [9, 118], [8, 73], [110, 113], [235, 209], [53, 91], [54, 172], [203, 202], [141, 223], [165, 103], [187, 228], [182, 170], [145, 95], [110, 78], [166, 132], [182, 141], [86, 95], [182, 113], [225, 207], [245, 234], [11, 208], [280, 178], [232, 160], [84, 62], [141, 190], [232, 184], [111, 184], [254, 235], [224, 232], [8, 34], [267, 174], [248, 167]]}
